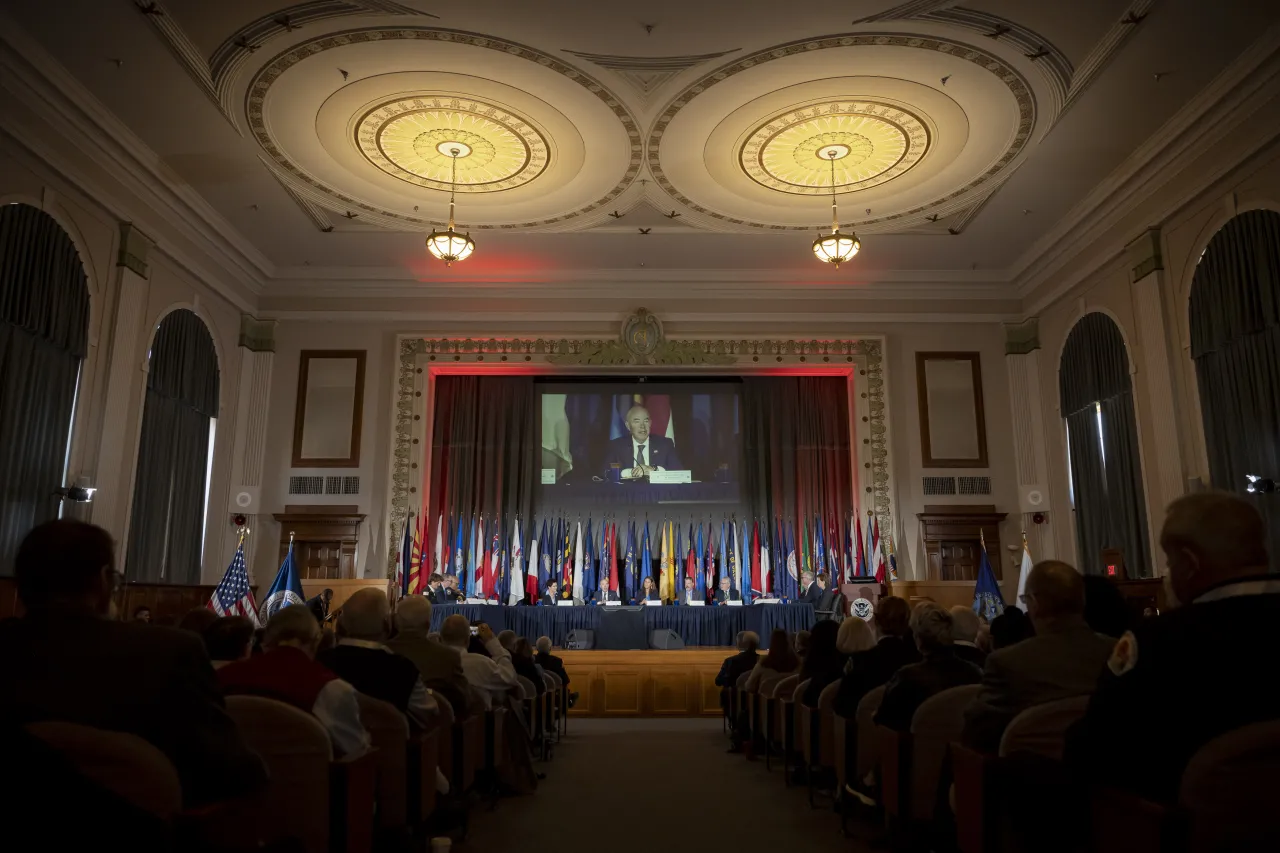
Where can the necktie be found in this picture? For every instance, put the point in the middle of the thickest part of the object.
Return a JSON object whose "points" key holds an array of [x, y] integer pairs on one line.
{"points": [[640, 454]]}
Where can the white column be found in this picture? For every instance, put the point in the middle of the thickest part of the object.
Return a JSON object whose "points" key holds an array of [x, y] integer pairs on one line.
{"points": [[257, 342], [126, 376], [1022, 361]]}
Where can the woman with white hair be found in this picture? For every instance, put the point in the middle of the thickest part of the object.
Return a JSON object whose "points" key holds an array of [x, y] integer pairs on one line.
{"points": [[934, 630]]}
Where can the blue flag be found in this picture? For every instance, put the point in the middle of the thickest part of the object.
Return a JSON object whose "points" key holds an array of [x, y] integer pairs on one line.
{"points": [[793, 570], [406, 555], [987, 600], [589, 583], [646, 558], [819, 549], [469, 584], [724, 556], [631, 559], [286, 589], [544, 561]]}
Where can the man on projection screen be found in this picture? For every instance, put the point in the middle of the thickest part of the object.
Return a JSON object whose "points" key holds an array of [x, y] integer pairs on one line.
{"points": [[640, 453]]}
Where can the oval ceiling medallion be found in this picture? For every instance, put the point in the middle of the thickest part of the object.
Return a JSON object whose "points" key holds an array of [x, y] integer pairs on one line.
{"points": [[412, 139], [876, 143]]}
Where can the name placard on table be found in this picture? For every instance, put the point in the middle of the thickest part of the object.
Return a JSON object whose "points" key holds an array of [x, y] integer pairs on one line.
{"points": [[613, 603], [563, 603], [653, 603], [694, 603], [734, 603], [666, 478]]}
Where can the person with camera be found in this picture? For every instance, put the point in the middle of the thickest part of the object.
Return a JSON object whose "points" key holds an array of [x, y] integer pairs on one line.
{"points": [[491, 674]]}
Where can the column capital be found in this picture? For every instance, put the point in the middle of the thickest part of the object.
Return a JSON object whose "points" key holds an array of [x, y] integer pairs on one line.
{"points": [[1143, 255], [257, 335], [1022, 338], [134, 246]]}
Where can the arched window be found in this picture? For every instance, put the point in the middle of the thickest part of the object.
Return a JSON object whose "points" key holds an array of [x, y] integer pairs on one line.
{"points": [[44, 330], [1096, 394], [1235, 341], [171, 490]]}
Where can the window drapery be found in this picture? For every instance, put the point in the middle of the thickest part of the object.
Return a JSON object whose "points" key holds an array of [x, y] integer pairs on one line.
{"points": [[44, 327]]}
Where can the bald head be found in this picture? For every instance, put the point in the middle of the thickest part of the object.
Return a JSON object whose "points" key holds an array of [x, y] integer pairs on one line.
{"points": [[964, 624], [638, 422], [456, 631], [1054, 590], [413, 613], [366, 615], [1210, 538]]}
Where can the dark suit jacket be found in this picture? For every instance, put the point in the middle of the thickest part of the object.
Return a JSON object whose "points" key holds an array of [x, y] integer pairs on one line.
{"points": [[733, 667], [697, 596], [662, 453], [913, 684], [548, 600], [733, 595], [1054, 664], [972, 654], [831, 601], [439, 666], [872, 668], [1199, 671], [439, 596], [552, 663], [146, 680], [600, 596], [811, 595]]}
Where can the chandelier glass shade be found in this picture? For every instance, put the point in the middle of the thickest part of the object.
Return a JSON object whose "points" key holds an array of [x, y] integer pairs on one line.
{"points": [[449, 245], [835, 248]]}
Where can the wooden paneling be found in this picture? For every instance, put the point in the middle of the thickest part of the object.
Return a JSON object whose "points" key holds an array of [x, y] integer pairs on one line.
{"points": [[645, 683], [947, 593], [325, 540], [952, 540]]}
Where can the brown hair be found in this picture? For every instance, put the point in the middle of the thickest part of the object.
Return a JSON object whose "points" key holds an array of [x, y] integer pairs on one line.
{"points": [[893, 617], [781, 657]]}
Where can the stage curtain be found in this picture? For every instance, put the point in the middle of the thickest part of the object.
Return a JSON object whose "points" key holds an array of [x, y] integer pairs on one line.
{"points": [[796, 449], [1235, 342], [166, 529], [1106, 471], [484, 449], [44, 323]]}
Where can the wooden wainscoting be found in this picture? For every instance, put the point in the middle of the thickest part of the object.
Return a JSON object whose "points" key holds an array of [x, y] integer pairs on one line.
{"points": [[646, 683]]}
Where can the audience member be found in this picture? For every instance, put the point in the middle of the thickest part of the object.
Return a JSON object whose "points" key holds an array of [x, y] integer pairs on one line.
{"points": [[142, 614], [363, 658], [493, 675], [67, 660], [780, 658], [933, 626], [229, 639], [1011, 626], [1063, 659], [440, 668], [748, 643], [197, 619], [288, 672], [1105, 609], [801, 641], [522, 660], [554, 665], [1194, 672], [824, 663], [965, 625], [874, 667]]}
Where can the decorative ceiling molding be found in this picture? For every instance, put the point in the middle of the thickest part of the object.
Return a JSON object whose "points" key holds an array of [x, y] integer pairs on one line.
{"points": [[183, 50], [255, 98], [1102, 53], [231, 55], [903, 11], [647, 74], [982, 59], [318, 215]]}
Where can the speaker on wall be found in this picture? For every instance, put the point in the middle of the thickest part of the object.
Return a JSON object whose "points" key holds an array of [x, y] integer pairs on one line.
{"points": [[665, 638], [580, 639]]}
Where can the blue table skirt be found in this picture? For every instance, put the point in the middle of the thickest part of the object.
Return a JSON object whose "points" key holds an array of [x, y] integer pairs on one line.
{"points": [[697, 626]]}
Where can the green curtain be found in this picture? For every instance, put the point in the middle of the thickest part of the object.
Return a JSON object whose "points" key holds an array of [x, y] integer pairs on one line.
{"points": [[1235, 342], [1106, 471], [44, 323], [167, 524]]}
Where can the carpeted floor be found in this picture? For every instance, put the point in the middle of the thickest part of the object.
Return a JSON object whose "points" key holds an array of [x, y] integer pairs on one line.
{"points": [[656, 786]]}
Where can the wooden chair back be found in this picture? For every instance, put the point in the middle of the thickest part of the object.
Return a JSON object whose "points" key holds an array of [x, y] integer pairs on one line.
{"points": [[124, 764], [298, 752], [895, 757], [868, 744], [389, 730], [826, 742], [1042, 729], [937, 722], [1228, 791]]}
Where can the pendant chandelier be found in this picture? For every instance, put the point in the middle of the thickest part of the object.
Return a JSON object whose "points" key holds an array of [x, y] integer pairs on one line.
{"points": [[835, 248], [449, 245]]}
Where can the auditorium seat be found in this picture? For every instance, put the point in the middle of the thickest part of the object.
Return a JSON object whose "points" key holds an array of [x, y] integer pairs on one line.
{"points": [[1041, 729], [311, 798], [868, 756], [792, 735], [389, 730], [1228, 791], [818, 745], [938, 721], [425, 763]]}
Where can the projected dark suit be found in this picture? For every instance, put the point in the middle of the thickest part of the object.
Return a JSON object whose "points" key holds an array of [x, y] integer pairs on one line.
{"points": [[661, 451]]}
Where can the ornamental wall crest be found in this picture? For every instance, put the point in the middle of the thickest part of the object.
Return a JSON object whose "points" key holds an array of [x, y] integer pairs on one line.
{"points": [[641, 342]]}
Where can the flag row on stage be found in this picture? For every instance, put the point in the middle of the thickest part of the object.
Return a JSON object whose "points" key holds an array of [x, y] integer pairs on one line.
{"points": [[500, 559]]}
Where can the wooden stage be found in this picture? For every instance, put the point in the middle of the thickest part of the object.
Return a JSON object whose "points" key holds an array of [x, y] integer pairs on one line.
{"points": [[645, 683]]}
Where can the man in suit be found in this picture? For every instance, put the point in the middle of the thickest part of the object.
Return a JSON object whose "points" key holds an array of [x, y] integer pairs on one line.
{"points": [[1181, 679], [810, 592], [725, 594], [641, 453], [1063, 659], [965, 627], [549, 597], [689, 594], [554, 664], [319, 605], [452, 594], [439, 667], [932, 626], [68, 659], [604, 594], [436, 593]]}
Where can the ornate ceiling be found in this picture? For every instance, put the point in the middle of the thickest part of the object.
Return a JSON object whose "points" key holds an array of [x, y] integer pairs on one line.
{"points": [[963, 134]]}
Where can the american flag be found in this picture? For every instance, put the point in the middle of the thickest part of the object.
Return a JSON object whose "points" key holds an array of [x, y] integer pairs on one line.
{"points": [[233, 596]]}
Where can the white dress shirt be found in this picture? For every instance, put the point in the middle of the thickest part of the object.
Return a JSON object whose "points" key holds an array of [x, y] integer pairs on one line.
{"points": [[491, 676]]}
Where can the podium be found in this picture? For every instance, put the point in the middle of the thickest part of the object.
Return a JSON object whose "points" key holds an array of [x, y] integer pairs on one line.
{"points": [[865, 589], [622, 629]]}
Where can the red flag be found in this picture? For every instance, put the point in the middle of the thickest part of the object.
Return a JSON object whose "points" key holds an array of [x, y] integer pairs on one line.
{"points": [[755, 555], [418, 556], [691, 563]]}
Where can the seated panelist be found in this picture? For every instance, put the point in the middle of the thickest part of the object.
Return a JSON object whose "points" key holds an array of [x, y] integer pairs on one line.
{"points": [[648, 591], [452, 594], [640, 453], [549, 596], [689, 594], [726, 593], [604, 594]]}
